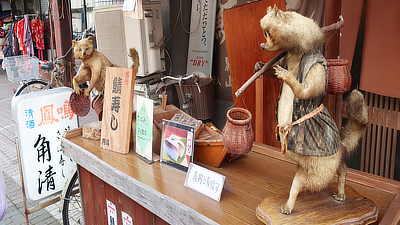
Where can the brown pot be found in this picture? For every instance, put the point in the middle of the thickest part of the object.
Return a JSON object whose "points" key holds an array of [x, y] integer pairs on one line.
{"points": [[237, 135]]}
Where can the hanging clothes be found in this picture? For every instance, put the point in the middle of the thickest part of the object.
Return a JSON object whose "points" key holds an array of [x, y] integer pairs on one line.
{"points": [[28, 37], [37, 29], [19, 34]]}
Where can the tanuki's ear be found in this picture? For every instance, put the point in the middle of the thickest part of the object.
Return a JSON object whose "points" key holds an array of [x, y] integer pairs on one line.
{"points": [[269, 9], [275, 10], [73, 43], [279, 13], [90, 38]]}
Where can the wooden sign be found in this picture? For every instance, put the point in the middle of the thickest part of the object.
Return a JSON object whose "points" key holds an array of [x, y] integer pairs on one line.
{"points": [[117, 109]]}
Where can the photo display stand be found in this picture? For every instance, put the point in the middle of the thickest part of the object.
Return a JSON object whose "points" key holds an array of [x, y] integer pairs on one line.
{"points": [[177, 144]]}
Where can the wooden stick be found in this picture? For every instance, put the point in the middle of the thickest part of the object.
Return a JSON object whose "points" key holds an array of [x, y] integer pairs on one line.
{"points": [[259, 73], [326, 29]]}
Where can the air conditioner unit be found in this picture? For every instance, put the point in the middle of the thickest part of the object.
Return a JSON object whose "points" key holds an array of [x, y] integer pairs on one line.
{"points": [[116, 34]]}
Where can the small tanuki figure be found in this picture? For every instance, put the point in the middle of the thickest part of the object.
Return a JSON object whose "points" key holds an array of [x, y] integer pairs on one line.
{"points": [[307, 132]]}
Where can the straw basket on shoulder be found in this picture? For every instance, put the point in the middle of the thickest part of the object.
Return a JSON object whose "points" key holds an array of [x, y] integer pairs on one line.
{"points": [[237, 135], [339, 77]]}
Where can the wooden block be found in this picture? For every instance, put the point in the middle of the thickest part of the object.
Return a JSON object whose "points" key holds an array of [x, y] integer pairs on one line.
{"points": [[117, 109], [320, 208]]}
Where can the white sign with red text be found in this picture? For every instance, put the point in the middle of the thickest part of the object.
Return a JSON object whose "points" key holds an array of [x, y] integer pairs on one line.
{"points": [[40, 120], [111, 213]]}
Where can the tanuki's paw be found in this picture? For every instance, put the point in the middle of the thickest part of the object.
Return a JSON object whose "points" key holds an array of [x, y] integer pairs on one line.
{"points": [[281, 73], [339, 197], [87, 93], [285, 210], [258, 66], [77, 91]]}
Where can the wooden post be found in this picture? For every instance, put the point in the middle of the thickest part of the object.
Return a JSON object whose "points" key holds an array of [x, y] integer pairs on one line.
{"points": [[63, 35]]}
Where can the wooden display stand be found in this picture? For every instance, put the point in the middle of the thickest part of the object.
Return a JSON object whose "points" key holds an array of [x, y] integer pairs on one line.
{"points": [[320, 208]]}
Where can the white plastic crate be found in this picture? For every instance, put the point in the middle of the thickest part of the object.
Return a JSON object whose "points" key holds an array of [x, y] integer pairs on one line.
{"points": [[21, 67]]}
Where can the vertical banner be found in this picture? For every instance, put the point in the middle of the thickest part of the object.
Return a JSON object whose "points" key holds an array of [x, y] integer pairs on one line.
{"points": [[117, 109], [144, 128], [40, 120], [201, 41]]}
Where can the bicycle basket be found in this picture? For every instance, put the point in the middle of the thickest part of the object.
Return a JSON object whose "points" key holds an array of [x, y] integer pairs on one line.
{"points": [[21, 67], [202, 104]]}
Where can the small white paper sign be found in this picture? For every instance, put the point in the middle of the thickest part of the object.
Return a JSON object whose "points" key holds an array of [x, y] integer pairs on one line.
{"points": [[144, 127], [129, 5], [126, 219], [111, 213], [207, 182]]}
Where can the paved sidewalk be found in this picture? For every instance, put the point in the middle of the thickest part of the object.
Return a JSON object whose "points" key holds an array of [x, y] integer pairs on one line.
{"points": [[9, 164]]}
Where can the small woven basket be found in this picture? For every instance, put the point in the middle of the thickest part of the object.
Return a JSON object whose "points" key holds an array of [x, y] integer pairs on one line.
{"points": [[79, 104], [237, 135], [339, 77], [97, 105]]}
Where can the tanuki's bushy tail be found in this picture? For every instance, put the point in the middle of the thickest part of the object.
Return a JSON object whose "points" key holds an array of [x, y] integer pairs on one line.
{"points": [[357, 122], [135, 58]]}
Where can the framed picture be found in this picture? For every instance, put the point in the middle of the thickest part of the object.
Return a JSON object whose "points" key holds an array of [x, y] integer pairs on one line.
{"points": [[177, 144]]}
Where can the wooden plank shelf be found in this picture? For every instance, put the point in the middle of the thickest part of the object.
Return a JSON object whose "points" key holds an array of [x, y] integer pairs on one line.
{"points": [[157, 191]]}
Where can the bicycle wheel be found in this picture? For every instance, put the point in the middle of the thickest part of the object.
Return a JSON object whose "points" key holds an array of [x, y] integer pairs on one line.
{"points": [[72, 208], [31, 86]]}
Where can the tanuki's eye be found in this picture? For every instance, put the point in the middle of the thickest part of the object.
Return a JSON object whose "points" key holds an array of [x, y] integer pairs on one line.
{"points": [[86, 49], [267, 34], [80, 49]]}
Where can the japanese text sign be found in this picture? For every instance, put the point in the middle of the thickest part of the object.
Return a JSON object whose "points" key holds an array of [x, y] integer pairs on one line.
{"points": [[111, 213], [201, 39], [144, 128], [40, 120], [117, 109], [207, 182]]}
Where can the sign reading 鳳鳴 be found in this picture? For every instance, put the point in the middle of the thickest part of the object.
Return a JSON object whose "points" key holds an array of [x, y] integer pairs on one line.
{"points": [[40, 120], [117, 109]]}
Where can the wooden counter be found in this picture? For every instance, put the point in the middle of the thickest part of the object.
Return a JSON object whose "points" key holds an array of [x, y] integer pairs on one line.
{"points": [[131, 183]]}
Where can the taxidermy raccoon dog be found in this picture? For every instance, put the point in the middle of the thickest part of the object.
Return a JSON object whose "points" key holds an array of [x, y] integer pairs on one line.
{"points": [[307, 132], [94, 64]]}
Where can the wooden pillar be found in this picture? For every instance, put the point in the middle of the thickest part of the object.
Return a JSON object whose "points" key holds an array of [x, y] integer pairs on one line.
{"points": [[63, 35]]}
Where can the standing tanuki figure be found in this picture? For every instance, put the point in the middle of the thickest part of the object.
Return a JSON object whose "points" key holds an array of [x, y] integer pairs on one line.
{"points": [[94, 64], [307, 132]]}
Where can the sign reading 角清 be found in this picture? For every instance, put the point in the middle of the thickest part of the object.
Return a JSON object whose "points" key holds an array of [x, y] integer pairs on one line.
{"points": [[117, 109], [40, 120]]}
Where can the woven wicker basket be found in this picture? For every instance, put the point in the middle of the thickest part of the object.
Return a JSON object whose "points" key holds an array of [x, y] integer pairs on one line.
{"points": [[237, 135], [97, 105], [202, 104], [339, 79], [79, 104]]}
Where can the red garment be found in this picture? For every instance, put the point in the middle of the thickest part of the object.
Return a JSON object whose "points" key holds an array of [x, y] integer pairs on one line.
{"points": [[37, 29], [19, 33]]}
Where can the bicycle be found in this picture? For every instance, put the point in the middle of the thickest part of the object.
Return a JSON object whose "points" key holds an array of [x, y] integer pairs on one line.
{"points": [[39, 83], [186, 98], [69, 198]]}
